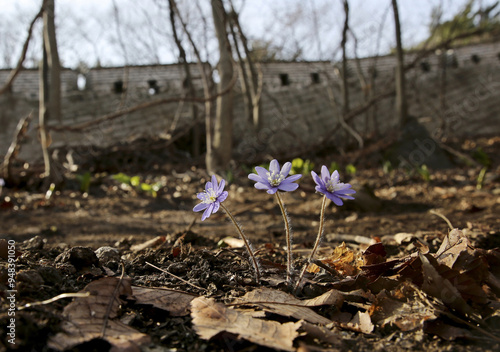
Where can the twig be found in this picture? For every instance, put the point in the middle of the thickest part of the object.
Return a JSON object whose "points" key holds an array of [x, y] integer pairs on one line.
{"points": [[54, 299], [432, 211], [21, 129], [175, 276], [111, 301]]}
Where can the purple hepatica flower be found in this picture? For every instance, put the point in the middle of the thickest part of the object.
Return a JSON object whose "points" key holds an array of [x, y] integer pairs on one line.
{"points": [[331, 187], [274, 179], [211, 198]]}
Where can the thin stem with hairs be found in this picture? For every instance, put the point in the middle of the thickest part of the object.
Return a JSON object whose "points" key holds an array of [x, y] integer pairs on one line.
{"points": [[288, 233], [255, 263], [316, 244]]}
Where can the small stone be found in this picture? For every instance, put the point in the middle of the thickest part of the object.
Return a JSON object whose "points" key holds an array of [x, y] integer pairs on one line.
{"points": [[107, 254], [36, 242]]}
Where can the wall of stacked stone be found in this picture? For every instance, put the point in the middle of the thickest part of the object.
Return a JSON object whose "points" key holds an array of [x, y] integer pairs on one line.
{"points": [[296, 109]]}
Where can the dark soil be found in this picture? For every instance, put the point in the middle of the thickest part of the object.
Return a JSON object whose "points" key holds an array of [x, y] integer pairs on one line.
{"points": [[56, 236]]}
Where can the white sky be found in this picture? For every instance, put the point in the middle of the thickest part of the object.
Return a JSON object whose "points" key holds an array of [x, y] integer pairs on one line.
{"points": [[87, 30]]}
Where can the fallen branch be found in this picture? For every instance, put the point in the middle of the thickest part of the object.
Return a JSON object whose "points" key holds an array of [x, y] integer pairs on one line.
{"points": [[15, 146]]}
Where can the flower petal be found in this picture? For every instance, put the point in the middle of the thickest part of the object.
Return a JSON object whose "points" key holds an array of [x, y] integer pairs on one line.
{"points": [[256, 178], [288, 187], [260, 185], [334, 198], [216, 207], [335, 176], [272, 190], [274, 166], [200, 207], [201, 195], [221, 186], [261, 172], [344, 196], [317, 179], [208, 186], [325, 174], [292, 178], [222, 197], [207, 211], [285, 170], [321, 189]]}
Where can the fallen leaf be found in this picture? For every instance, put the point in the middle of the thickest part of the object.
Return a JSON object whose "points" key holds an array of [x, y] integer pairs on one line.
{"points": [[343, 259], [406, 316], [177, 303], [441, 288], [94, 317], [285, 304], [374, 254], [321, 333], [361, 322], [211, 318], [233, 242]]}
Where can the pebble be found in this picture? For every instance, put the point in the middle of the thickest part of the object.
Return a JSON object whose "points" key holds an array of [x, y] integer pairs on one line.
{"points": [[107, 254]]}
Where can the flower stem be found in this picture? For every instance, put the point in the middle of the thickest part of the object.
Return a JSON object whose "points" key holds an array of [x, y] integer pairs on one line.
{"points": [[247, 243], [289, 267], [316, 244]]}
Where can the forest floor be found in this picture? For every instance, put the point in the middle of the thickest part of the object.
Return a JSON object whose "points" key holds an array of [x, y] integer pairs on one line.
{"points": [[392, 276]]}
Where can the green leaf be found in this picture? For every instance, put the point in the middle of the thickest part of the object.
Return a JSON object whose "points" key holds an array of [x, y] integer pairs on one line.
{"points": [[333, 166], [135, 181], [350, 169], [145, 187], [121, 177]]}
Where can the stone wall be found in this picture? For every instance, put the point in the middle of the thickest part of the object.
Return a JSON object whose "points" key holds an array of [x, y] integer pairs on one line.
{"points": [[297, 109]]}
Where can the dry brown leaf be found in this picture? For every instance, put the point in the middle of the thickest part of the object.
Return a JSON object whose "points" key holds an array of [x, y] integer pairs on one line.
{"points": [[361, 322], [285, 304], [321, 333], [441, 288], [406, 316], [211, 318], [86, 318], [177, 303], [233, 242], [344, 260], [454, 244]]}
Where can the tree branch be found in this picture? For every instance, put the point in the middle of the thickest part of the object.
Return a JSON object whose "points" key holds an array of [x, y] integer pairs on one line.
{"points": [[7, 86]]}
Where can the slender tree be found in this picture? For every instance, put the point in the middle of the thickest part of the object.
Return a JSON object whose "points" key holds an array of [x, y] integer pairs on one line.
{"points": [[50, 81], [217, 161], [401, 103]]}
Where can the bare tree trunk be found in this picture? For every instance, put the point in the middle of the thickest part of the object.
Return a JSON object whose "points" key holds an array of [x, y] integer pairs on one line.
{"points": [[50, 81], [255, 82], [52, 60], [205, 80], [188, 80], [218, 160], [401, 103], [345, 86]]}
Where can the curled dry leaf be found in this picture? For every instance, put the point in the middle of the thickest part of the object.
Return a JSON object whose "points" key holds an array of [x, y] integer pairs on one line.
{"points": [[211, 318], [93, 317], [406, 315], [361, 322], [177, 303], [285, 304]]}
